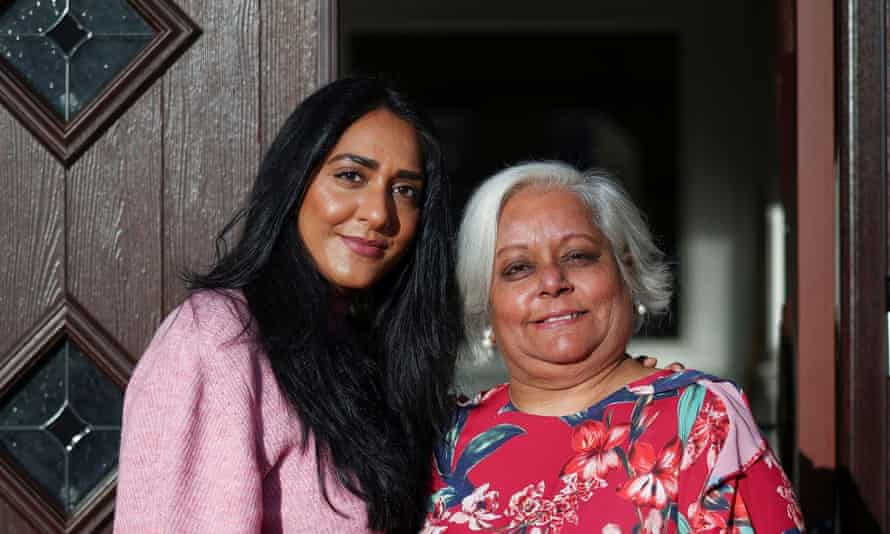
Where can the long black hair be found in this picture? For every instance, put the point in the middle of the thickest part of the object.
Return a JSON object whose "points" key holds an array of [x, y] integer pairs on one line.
{"points": [[371, 387]]}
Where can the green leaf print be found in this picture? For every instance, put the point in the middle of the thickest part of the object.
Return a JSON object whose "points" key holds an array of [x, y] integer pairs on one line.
{"points": [[682, 524], [688, 407], [484, 444], [446, 494]]}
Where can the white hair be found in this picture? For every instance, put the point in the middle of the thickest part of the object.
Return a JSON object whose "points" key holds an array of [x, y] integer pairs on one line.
{"points": [[641, 263]]}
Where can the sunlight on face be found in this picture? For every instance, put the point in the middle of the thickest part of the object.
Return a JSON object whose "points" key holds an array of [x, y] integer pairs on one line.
{"points": [[362, 209], [557, 296]]}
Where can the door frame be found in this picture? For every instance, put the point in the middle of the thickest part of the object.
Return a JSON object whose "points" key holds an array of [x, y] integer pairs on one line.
{"points": [[862, 438], [806, 27]]}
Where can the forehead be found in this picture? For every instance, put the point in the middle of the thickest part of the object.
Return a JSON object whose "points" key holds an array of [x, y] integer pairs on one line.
{"points": [[381, 133], [533, 210]]}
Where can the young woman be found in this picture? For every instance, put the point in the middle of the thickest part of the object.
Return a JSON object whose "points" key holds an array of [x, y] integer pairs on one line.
{"points": [[302, 385]]}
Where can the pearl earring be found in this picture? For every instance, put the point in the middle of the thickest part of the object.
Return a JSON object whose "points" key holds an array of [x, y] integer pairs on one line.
{"points": [[641, 309], [487, 338]]}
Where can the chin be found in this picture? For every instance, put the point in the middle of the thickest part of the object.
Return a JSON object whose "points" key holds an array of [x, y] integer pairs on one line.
{"points": [[568, 357], [359, 286], [573, 350], [354, 283]]}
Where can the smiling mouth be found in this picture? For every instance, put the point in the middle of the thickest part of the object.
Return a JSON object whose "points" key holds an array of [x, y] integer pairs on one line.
{"points": [[364, 247], [559, 320]]}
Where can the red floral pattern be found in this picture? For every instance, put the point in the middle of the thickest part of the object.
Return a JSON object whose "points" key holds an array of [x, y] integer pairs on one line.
{"points": [[708, 433], [620, 467], [656, 480], [595, 444]]}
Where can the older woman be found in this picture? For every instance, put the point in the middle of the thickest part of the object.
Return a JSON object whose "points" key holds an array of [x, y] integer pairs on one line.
{"points": [[557, 268]]}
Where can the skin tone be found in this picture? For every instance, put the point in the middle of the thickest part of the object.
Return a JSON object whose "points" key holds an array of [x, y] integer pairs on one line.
{"points": [[362, 209], [561, 314]]}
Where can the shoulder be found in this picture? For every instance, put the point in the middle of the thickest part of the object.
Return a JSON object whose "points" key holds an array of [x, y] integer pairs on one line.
{"points": [[704, 396], [485, 404], [205, 340], [481, 398], [694, 388], [711, 396], [483, 407], [208, 314], [205, 371], [716, 423], [710, 402]]}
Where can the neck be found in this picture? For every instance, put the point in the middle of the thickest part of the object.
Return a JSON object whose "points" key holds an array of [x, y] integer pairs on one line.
{"points": [[542, 397]]}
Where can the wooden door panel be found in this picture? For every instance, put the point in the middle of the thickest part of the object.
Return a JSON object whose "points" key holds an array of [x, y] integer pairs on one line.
{"points": [[93, 254], [290, 43], [863, 403], [32, 247], [211, 146], [114, 226], [11, 523], [32, 243]]}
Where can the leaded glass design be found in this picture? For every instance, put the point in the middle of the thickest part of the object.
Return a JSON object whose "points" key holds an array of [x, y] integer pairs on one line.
{"points": [[61, 425], [69, 50]]}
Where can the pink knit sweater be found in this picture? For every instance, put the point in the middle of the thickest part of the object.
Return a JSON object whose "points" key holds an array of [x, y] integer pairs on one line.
{"points": [[209, 442]]}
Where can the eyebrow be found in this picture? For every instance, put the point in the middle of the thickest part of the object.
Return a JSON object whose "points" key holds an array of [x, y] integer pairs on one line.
{"points": [[374, 165], [573, 235], [510, 247]]}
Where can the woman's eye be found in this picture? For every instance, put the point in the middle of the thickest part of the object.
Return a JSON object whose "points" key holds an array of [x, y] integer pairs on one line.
{"points": [[514, 270], [580, 256], [349, 176], [406, 191]]}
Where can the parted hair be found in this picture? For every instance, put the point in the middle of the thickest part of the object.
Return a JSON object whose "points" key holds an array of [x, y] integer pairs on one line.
{"points": [[642, 264], [370, 386]]}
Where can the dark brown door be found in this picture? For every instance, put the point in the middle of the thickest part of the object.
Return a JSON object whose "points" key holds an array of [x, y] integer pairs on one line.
{"points": [[110, 190], [863, 380]]}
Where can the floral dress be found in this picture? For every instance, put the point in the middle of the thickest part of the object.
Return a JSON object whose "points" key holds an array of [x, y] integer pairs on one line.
{"points": [[673, 452]]}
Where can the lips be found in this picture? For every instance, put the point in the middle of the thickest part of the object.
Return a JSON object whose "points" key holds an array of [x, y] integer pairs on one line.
{"points": [[558, 319], [369, 248]]}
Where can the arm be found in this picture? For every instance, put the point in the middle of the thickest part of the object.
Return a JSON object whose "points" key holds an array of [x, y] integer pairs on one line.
{"points": [[769, 497], [189, 460], [727, 483]]}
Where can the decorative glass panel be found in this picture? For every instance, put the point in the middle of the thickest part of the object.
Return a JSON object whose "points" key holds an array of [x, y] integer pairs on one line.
{"points": [[69, 50], [69, 68], [61, 425]]}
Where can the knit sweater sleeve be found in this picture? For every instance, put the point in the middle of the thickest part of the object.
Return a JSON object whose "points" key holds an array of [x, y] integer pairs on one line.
{"points": [[189, 459]]}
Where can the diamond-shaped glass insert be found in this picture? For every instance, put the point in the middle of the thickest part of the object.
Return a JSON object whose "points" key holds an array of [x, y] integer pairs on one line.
{"points": [[61, 425], [47, 42], [68, 34], [67, 427]]}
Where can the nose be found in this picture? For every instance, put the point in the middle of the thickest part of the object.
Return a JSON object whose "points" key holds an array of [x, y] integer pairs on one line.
{"points": [[376, 208], [553, 280]]}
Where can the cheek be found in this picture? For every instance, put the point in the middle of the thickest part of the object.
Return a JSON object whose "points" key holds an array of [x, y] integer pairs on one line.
{"points": [[606, 285], [321, 209], [409, 223], [508, 307], [333, 208], [617, 311], [606, 299]]}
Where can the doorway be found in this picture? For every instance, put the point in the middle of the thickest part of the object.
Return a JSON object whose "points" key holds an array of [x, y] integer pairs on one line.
{"points": [[680, 108]]}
